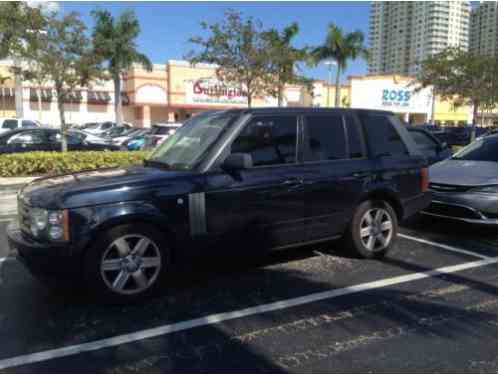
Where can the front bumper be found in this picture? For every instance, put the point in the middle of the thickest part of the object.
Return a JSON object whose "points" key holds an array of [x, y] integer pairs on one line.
{"points": [[467, 207], [43, 258]]}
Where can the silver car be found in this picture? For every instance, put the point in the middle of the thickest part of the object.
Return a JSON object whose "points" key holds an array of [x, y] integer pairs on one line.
{"points": [[465, 187]]}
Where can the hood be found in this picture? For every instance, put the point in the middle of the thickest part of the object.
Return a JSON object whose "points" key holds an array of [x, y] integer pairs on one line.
{"points": [[102, 186], [464, 173]]}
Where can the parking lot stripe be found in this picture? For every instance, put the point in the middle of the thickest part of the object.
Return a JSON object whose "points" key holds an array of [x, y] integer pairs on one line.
{"points": [[221, 317], [443, 246]]}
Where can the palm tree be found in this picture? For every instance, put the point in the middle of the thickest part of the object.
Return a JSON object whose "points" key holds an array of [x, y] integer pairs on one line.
{"points": [[340, 48], [114, 42]]}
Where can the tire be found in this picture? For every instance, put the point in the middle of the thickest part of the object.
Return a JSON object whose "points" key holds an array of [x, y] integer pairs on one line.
{"points": [[374, 240], [126, 264]]}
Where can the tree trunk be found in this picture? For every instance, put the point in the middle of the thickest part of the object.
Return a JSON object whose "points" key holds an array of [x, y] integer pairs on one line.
{"points": [[279, 96], [39, 104], [60, 106], [118, 107], [338, 86], [249, 100], [474, 120], [3, 105]]}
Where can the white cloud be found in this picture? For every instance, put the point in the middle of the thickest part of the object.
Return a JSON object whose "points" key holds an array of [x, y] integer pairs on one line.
{"points": [[44, 6]]}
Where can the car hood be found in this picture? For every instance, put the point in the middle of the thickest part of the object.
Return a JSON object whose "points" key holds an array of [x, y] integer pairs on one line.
{"points": [[464, 172], [103, 186]]}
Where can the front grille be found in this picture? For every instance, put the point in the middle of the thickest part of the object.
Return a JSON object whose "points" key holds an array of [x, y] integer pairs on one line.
{"points": [[443, 188], [23, 216], [452, 211]]}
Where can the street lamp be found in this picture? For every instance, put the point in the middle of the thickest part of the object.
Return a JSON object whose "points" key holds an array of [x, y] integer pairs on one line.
{"points": [[329, 64]]}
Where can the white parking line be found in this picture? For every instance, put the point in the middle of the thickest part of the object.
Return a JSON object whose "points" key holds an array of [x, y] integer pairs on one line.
{"points": [[443, 246], [218, 318]]}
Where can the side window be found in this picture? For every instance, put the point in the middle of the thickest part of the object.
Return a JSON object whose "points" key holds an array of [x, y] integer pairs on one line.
{"points": [[269, 140], [382, 136], [28, 124], [422, 139], [325, 138], [29, 137], [355, 139], [9, 124]]}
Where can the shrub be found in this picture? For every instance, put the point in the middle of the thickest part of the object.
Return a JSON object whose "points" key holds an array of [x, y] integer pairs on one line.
{"points": [[50, 163]]}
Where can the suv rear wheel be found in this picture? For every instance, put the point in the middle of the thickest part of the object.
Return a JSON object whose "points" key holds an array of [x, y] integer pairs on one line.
{"points": [[373, 229], [127, 263]]}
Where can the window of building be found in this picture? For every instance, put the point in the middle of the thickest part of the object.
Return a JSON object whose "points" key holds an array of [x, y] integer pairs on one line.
{"points": [[269, 140]]}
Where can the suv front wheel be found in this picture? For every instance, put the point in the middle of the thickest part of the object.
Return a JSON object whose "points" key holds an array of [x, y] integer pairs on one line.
{"points": [[127, 263], [373, 229]]}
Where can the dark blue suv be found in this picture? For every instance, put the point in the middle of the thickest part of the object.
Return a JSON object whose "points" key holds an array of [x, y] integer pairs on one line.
{"points": [[242, 180]]}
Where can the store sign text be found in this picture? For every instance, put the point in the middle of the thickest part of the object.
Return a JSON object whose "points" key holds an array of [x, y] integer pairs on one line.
{"points": [[397, 98], [214, 92]]}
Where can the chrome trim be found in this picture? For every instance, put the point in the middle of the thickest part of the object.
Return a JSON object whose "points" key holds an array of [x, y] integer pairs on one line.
{"points": [[470, 221], [197, 213]]}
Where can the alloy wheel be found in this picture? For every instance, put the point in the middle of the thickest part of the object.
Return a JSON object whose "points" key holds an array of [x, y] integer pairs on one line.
{"points": [[376, 229], [131, 264]]}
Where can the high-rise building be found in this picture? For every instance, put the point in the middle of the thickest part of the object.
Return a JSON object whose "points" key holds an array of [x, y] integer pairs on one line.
{"points": [[484, 28], [403, 33]]}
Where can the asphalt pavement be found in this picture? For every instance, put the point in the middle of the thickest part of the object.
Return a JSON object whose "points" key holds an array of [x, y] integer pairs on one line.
{"points": [[430, 306]]}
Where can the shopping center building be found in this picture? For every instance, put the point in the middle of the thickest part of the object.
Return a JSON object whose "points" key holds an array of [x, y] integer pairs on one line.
{"points": [[174, 91]]}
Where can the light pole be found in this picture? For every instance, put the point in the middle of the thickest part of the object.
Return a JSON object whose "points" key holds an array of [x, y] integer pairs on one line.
{"points": [[329, 64]]}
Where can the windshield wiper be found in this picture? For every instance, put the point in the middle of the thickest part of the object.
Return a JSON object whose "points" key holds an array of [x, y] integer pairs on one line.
{"points": [[156, 164]]}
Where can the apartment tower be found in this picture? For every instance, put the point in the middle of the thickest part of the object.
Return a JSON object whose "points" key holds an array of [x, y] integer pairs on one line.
{"points": [[403, 33]]}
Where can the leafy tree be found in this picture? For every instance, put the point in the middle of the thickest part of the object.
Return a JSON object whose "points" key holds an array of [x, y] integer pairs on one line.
{"points": [[341, 48], [114, 42], [63, 53], [461, 77], [283, 59], [238, 48]]}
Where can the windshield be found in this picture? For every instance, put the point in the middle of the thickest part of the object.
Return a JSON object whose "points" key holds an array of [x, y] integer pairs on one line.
{"points": [[189, 144], [479, 150]]}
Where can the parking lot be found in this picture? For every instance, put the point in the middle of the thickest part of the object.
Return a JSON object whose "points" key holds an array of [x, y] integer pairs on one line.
{"points": [[430, 306]]}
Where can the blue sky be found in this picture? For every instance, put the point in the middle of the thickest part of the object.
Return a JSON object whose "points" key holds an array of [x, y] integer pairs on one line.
{"points": [[167, 26]]}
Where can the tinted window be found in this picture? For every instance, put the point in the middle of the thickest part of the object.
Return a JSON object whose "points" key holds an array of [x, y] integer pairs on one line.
{"points": [[422, 139], [383, 138], [164, 130], [325, 138], [355, 139], [29, 137], [481, 150], [9, 124], [269, 140], [28, 124], [106, 125]]}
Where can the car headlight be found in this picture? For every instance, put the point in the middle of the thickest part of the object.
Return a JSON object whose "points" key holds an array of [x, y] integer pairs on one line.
{"points": [[49, 223], [491, 189]]}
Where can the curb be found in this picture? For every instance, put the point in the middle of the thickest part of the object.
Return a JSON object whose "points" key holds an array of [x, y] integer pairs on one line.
{"points": [[10, 185]]}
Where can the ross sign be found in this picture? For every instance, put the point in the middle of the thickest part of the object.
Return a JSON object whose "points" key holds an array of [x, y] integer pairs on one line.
{"points": [[386, 94], [214, 92]]}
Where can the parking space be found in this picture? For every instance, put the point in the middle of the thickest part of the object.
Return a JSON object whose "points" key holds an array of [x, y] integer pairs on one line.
{"points": [[308, 309]]}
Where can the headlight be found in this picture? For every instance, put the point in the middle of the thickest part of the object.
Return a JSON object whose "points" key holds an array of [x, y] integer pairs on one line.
{"points": [[491, 189], [39, 218], [51, 224]]}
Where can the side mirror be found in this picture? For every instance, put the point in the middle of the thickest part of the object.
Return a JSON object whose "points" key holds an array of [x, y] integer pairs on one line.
{"points": [[238, 161]]}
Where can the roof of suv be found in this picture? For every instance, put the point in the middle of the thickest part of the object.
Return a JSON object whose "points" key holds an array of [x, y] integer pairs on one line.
{"points": [[287, 110]]}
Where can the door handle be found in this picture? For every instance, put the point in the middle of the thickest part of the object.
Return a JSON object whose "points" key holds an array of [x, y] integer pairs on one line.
{"points": [[293, 181]]}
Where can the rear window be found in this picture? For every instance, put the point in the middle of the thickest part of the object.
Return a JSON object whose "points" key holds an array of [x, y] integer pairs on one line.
{"points": [[382, 137], [325, 138], [164, 130], [9, 124]]}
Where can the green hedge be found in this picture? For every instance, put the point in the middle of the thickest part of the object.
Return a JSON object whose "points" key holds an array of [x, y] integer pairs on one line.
{"points": [[49, 163]]}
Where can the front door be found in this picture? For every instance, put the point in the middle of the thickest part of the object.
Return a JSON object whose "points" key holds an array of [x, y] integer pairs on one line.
{"points": [[261, 205]]}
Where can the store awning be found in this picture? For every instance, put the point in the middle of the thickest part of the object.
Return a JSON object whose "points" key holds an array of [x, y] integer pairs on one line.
{"points": [[7, 92]]}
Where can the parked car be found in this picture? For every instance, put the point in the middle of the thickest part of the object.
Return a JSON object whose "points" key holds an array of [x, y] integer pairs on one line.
{"points": [[131, 134], [117, 131], [103, 127], [134, 144], [460, 135], [236, 179], [465, 187], [159, 133], [90, 138], [45, 139], [7, 124], [429, 145]]}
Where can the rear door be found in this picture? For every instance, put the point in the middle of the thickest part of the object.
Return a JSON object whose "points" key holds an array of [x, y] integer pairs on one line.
{"points": [[263, 204], [334, 172]]}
